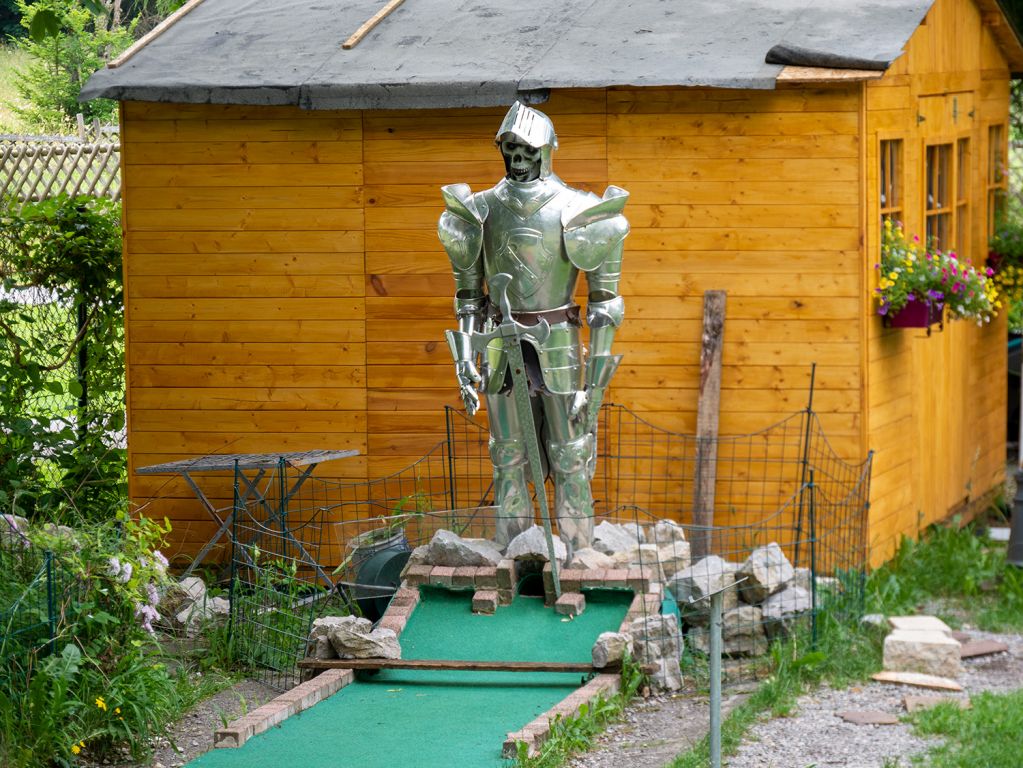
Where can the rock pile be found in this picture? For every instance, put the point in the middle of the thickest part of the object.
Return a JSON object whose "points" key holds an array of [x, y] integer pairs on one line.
{"points": [[766, 605], [922, 644], [188, 606]]}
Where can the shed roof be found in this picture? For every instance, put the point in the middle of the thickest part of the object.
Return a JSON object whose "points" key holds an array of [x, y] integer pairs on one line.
{"points": [[459, 53]]}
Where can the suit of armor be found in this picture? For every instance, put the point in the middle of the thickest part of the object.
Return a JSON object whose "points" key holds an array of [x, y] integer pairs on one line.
{"points": [[543, 233]]}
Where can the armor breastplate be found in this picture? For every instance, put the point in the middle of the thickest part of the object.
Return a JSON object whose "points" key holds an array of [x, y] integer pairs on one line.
{"points": [[523, 236]]}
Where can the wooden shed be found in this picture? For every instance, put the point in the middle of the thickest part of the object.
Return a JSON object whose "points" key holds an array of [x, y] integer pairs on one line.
{"points": [[285, 289]]}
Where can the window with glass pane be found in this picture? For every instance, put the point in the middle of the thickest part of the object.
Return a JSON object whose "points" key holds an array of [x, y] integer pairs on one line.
{"points": [[963, 197], [997, 180], [891, 179], [938, 211]]}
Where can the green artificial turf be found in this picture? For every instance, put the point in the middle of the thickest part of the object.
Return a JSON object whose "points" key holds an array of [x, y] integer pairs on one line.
{"points": [[439, 719]]}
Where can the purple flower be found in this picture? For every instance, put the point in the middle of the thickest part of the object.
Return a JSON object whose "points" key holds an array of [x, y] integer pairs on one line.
{"points": [[125, 575], [114, 569], [152, 594], [148, 615], [161, 560], [910, 297]]}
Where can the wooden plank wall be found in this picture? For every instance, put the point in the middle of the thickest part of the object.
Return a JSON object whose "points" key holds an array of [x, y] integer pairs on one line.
{"points": [[286, 288], [937, 404]]}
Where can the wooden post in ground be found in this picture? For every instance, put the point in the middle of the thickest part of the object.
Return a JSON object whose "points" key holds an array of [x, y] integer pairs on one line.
{"points": [[708, 410]]}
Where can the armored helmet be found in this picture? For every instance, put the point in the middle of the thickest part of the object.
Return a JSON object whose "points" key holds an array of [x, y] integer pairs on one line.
{"points": [[533, 128]]}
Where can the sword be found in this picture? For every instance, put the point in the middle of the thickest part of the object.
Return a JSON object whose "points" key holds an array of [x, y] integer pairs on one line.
{"points": [[512, 334]]}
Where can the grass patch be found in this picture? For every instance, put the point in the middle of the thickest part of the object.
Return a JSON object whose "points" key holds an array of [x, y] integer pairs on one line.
{"points": [[986, 736], [964, 572], [11, 60], [570, 735]]}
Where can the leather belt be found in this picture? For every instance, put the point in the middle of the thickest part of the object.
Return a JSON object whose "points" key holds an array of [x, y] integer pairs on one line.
{"points": [[568, 314]]}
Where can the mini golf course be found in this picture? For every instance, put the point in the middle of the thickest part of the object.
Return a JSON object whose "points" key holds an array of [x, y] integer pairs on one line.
{"points": [[439, 719]]}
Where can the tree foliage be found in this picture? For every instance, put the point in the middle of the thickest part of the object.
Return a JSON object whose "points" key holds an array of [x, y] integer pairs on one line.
{"points": [[68, 40]]}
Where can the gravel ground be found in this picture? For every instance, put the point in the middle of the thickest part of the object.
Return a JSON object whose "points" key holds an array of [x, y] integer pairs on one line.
{"points": [[654, 731], [815, 736], [192, 735]]}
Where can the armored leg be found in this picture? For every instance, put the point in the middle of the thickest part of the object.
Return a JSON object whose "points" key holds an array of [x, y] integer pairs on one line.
{"points": [[508, 454], [572, 455]]}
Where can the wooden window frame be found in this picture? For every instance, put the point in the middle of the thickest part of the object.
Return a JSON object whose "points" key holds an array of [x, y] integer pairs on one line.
{"points": [[961, 199], [891, 151], [995, 175], [933, 177]]}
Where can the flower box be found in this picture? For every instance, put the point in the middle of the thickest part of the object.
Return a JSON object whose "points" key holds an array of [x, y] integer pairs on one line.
{"points": [[916, 314]]}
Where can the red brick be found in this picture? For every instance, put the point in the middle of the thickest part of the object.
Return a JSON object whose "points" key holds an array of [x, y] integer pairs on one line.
{"points": [[486, 577], [570, 604], [418, 574], [616, 578], [572, 579], [405, 596], [441, 575], [639, 579], [395, 623], [464, 576], [485, 601], [593, 577], [505, 596], [507, 574]]}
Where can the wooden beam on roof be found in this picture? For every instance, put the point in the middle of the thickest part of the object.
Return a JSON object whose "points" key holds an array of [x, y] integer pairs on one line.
{"points": [[366, 28], [792, 74], [154, 33]]}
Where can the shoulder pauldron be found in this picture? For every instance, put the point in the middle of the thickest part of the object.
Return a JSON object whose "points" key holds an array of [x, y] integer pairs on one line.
{"points": [[592, 233]]}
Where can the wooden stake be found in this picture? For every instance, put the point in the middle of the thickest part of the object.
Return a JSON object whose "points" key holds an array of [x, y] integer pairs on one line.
{"points": [[708, 410], [366, 28], [154, 33]]}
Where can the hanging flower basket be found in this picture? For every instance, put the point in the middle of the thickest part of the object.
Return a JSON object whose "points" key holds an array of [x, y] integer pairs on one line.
{"points": [[917, 314]]}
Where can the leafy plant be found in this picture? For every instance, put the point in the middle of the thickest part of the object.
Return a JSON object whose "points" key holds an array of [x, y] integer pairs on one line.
{"points": [[1005, 257], [68, 41], [909, 272], [61, 335]]}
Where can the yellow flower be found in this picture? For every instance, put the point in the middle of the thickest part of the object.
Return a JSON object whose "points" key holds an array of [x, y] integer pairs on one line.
{"points": [[101, 704], [75, 749], [117, 710], [893, 275]]}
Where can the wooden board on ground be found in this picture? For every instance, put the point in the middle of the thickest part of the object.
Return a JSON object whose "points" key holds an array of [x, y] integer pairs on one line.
{"points": [[919, 680], [463, 665]]}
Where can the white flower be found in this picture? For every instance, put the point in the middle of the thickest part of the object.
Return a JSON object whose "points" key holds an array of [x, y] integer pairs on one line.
{"points": [[115, 567], [126, 570]]}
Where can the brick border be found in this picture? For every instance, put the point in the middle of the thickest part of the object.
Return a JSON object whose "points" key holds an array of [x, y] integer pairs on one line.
{"points": [[275, 712], [537, 731]]}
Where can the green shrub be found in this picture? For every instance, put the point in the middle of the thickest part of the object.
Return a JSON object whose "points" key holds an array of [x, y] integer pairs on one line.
{"points": [[60, 449], [103, 686], [62, 63]]}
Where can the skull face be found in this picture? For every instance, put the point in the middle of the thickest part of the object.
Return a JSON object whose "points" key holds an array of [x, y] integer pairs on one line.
{"points": [[521, 161]]}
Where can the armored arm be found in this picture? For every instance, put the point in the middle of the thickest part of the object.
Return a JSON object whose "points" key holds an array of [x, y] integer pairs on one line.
{"points": [[461, 233], [594, 240]]}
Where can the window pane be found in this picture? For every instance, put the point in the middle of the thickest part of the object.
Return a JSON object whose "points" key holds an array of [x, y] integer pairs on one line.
{"points": [[963, 170]]}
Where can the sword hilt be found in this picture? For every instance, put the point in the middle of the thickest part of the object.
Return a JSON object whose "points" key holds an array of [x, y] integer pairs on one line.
{"points": [[509, 327]]}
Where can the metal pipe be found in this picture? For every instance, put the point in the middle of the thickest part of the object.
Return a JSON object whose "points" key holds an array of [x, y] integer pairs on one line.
{"points": [[716, 605]]}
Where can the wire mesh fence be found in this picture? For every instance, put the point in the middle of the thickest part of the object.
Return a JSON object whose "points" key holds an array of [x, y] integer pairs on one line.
{"points": [[28, 592], [789, 518]]}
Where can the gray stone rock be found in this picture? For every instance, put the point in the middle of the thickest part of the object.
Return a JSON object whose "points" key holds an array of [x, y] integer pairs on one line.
{"points": [[219, 606], [447, 548], [930, 652], [674, 557], [610, 538], [700, 580], [801, 578], [531, 544], [767, 571], [742, 633], [611, 648], [636, 556], [351, 642], [590, 559], [665, 532], [193, 587], [658, 643], [874, 620], [782, 609], [321, 648]]}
